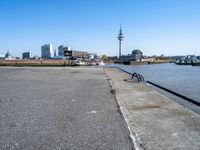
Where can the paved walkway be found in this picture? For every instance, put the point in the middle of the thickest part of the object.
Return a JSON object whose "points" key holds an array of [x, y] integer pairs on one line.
{"points": [[156, 122], [59, 109]]}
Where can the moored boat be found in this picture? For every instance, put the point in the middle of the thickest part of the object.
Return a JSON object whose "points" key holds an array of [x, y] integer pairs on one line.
{"points": [[196, 64], [181, 63]]}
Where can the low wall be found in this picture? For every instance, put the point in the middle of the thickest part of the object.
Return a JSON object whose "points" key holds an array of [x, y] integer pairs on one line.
{"points": [[47, 62]]}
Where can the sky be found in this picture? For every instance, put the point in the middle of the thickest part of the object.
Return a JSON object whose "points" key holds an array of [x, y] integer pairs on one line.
{"points": [[169, 27]]}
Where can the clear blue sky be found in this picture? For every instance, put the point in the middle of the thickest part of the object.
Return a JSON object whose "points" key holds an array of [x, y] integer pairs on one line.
{"points": [[169, 27]]}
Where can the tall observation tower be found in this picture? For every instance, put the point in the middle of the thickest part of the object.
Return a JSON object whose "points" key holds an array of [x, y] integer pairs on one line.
{"points": [[120, 38]]}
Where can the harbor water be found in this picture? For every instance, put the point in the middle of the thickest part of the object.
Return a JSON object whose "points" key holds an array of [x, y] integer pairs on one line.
{"points": [[183, 79]]}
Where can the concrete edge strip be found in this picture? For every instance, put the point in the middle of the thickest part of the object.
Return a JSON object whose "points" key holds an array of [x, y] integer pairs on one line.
{"points": [[131, 135], [133, 138]]}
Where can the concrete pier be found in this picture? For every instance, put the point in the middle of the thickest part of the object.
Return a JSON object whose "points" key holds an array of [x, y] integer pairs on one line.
{"points": [[63, 108], [59, 109], [155, 121]]}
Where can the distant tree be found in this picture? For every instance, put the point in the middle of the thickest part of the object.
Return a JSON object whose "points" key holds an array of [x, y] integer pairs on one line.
{"points": [[104, 58]]}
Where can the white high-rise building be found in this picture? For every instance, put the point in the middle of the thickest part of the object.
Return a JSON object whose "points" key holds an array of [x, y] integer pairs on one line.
{"points": [[62, 49], [47, 51]]}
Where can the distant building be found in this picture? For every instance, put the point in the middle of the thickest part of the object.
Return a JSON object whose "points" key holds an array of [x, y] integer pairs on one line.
{"points": [[128, 57], [26, 55], [149, 59], [58, 57], [63, 48], [47, 51], [54, 53], [36, 57], [93, 56], [8, 56], [75, 54], [136, 55]]}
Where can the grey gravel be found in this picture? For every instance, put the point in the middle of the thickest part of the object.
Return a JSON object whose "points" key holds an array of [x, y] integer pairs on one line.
{"points": [[59, 109]]}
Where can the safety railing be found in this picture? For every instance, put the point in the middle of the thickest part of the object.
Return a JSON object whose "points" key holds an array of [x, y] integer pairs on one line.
{"points": [[139, 77]]}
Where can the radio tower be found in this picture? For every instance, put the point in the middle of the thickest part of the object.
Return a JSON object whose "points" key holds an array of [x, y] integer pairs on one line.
{"points": [[120, 38]]}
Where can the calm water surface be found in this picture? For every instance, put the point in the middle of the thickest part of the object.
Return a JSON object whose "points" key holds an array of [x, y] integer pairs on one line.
{"points": [[179, 78]]}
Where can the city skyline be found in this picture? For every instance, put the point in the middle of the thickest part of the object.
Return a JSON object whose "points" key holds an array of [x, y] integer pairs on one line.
{"points": [[156, 27]]}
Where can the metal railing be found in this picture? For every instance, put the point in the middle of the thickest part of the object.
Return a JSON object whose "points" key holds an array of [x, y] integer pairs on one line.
{"points": [[175, 93], [139, 77]]}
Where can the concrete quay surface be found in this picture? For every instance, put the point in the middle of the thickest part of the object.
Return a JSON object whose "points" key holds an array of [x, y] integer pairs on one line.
{"points": [[155, 121], [59, 109]]}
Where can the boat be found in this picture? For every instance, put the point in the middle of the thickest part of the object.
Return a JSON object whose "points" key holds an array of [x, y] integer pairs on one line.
{"points": [[101, 63], [79, 62], [96, 63], [196, 64], [183, 63]]}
